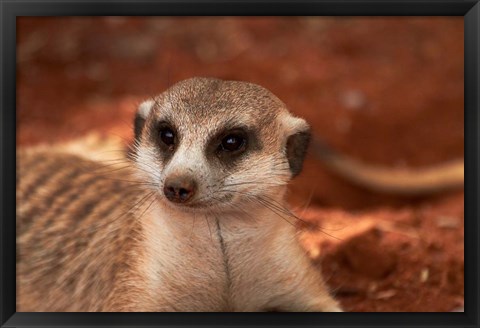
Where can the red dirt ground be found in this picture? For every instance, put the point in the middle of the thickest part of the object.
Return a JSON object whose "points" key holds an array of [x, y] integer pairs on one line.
{"points": [[384, 90]]}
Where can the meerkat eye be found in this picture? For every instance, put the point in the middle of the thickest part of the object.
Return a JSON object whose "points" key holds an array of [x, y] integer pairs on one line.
{"points": [[233, 142], [167, 136]]}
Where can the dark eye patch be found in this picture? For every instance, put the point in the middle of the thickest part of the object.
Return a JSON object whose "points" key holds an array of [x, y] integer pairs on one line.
{"points": [[165, 135], [232, 144]]}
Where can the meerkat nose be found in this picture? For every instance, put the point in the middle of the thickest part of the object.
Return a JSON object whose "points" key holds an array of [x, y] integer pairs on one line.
{"points": [[179, 189]]}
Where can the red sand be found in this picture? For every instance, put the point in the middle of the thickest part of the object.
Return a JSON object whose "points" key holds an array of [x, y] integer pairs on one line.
{"points": [[384, 90]]}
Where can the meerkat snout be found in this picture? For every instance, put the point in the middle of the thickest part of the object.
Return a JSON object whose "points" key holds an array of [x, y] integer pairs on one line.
{"points": [[179, 188]]}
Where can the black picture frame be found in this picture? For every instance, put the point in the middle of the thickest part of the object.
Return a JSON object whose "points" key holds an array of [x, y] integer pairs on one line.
{"points": [[11, 9]]}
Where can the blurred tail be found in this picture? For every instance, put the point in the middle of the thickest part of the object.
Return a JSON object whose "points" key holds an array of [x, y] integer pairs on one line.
{"points": [[417, 181]]}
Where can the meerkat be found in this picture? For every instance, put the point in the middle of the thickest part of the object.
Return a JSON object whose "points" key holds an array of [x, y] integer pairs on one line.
{"points": [[194, 220]]}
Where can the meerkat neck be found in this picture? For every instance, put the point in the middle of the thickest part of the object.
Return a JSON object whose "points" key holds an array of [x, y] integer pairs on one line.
{"points": [[263, 212]]}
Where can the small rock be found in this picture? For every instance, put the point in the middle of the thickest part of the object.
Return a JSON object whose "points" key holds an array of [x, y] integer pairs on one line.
{"points": [[385, 294], [424, 275], [364, 254], [447, 222]]}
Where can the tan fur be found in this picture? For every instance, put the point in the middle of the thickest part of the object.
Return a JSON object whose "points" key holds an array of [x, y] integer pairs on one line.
{"points": [[401, 181], [94, 239]]}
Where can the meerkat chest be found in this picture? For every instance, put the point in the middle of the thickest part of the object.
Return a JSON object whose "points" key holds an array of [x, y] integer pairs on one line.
{"points": [[258, 257], [203, 263], [185, 263]]}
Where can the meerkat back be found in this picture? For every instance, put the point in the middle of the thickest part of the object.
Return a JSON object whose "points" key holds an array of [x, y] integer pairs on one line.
{"points": [[76, 232]]}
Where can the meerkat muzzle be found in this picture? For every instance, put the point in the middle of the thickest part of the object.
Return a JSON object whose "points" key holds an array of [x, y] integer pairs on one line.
{"points": [[179, 189]]}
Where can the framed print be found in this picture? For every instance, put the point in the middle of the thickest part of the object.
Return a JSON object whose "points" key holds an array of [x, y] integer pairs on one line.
{"points": [[239, 164]]}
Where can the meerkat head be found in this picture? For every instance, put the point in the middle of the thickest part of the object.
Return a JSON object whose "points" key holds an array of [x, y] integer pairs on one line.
{"points": [[208, 144]]}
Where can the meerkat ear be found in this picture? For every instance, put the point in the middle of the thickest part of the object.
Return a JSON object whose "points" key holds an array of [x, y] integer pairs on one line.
{"points": [[140, 117], [297, 143]]}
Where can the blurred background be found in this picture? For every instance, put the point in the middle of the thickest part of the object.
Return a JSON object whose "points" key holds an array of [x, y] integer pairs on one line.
{"points": [[387, 91]]}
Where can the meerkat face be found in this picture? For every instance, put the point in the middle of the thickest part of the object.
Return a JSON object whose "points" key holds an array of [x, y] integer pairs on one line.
{"points": [[213, 145]]}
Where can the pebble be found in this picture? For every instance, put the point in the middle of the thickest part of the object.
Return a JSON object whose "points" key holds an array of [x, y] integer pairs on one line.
{"points": [[385, 294], [424, 275], [364, 254], [447, 222]]}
